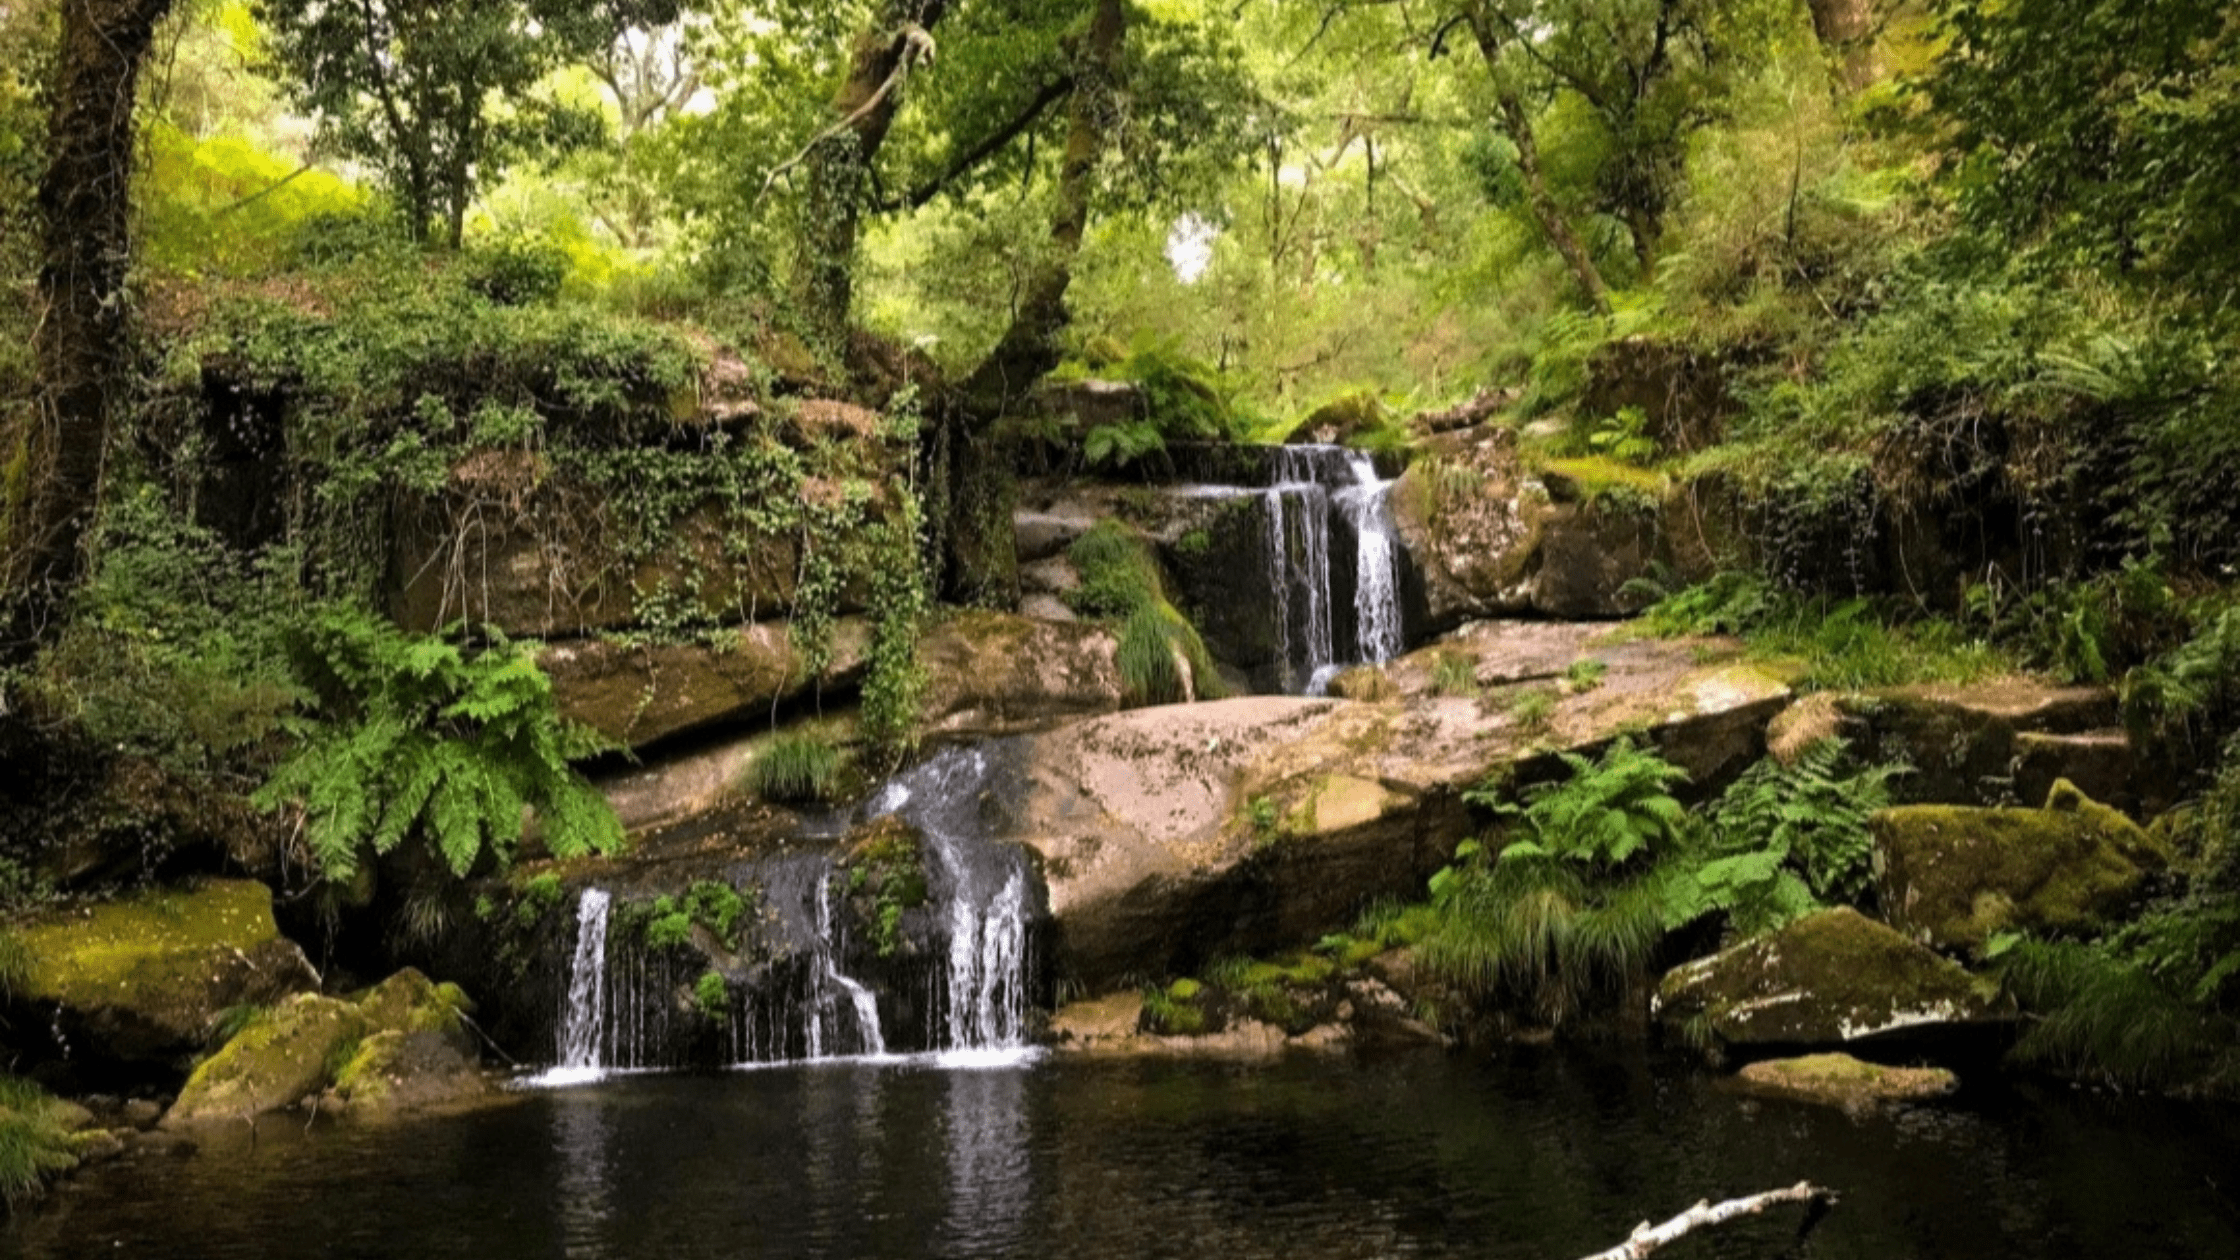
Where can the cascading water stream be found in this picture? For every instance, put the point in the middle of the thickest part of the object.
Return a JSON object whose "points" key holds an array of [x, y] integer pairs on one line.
{"points": [[829, 982], [1309, 483], [581, 1024], [985, 982]]}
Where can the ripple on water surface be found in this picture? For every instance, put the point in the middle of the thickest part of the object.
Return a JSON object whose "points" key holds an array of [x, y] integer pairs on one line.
{"points": [[1542, 1156]]}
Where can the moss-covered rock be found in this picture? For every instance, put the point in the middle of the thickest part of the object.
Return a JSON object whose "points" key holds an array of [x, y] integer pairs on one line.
{"points": [[1961, 740], [1831, 978], [1952, 876], [279, 1059], [1841, 1081], [143, 979], [401, 1044]]}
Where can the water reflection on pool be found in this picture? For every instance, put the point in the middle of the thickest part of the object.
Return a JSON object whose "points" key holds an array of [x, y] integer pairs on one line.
{"points": [[1551, 1154]]}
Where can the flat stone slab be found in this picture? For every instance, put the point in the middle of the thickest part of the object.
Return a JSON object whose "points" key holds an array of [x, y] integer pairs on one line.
{"points": [[1838, 1080], [1173, 834]]}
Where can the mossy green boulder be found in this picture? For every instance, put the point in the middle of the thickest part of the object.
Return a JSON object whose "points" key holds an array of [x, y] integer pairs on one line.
{"points": [[398, 1045], [144, 979], [1953, 877], [1829, 979]]}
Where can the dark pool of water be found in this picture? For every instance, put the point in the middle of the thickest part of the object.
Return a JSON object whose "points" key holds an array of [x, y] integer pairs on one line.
{"points": [[1549, 1155]]}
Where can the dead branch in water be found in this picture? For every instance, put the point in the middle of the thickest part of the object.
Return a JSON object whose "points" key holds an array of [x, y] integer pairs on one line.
{"points": [[1646, 1239]]}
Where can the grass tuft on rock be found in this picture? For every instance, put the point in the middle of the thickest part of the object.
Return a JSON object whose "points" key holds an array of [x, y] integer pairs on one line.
{"points": [[795, 769]]}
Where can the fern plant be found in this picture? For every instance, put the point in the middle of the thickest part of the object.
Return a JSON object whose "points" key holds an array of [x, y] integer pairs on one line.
{"points": [[1605, 813], [415, 737]]}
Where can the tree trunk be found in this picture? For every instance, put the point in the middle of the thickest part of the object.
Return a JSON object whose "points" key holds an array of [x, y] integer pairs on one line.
{"points": [[85, 202], [1516, 123], [838, 166], [1846, 30], [1030, 347]]}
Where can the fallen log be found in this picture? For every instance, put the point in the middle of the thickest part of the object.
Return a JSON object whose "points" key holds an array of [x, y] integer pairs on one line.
{"points": [[1646, 1238]]}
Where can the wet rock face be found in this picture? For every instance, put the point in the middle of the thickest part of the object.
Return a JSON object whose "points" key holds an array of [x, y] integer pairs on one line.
{"points": [[1835, 978], [1953, 876], [130, 986]]}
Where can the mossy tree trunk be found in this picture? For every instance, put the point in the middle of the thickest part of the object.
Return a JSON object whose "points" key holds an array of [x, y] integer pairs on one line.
{"points": [[1847, 30], [85, 202], [1030, 347], [837, 166]]}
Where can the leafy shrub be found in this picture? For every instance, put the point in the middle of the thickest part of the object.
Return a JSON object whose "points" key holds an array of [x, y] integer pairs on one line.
{"points": [[795, 769], [515, 271], [408, 736], [711, 993]]}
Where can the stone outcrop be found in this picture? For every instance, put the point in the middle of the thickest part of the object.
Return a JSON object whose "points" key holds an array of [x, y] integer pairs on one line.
{"points": [[1965, 743], [1838, 1080], [1173, 835], [1833, 978], [398, 1046], [143, 980], [1953, 876], [639, 694], [993, 673], [1492, 538]]}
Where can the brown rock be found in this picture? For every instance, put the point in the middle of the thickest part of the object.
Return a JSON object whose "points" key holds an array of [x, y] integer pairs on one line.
{"points": [[637, 695], [994, 673]]}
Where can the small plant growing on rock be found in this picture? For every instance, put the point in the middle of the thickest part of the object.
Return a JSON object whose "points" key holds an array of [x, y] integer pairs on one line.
{"points": [[795, 769], [1532, 710], [712, 994], [885, 876], [1585, 674], [1454, 674]]}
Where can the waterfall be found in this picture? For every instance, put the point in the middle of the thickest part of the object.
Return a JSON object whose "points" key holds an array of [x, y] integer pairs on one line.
{"points": [[984, 987], [1309, 483], [1376, 586], [581, 1024], [1296, 476]]}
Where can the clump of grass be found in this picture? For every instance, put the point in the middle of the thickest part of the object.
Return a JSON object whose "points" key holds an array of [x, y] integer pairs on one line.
{"points": [[2103, 1017], [795, 769], [1585, 674], [1173, 1012], [1454, 674], [34, 1139], [1532, 710], [1162, 659]]}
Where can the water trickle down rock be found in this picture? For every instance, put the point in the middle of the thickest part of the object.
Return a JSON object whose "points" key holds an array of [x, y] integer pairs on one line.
{"points": [[1311, 482]]}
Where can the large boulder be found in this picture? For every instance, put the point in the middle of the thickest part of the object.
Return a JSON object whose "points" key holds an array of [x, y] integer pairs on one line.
{"points": [[1967, 745], [1493, 538], [638, 694], [990, 673], [1834, 978], [400, 1045], [1172, 835], [1952, 876], [141, 981]]}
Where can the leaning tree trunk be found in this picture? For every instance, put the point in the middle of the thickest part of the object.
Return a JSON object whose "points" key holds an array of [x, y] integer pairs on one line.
{"points": [[1030, 347], [1846, 29], [838, 165], [1516, 123], [85, 203]]}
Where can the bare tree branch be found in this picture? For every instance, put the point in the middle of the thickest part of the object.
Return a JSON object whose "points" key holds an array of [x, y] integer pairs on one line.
{"points": [[1646, 1238]]}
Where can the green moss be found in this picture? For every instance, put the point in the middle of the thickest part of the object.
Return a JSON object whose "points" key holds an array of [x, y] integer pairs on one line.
{"points": [[274, 1062], [1958, 875], [1595, 478], [99, 955], [884, 875], [712, 994]]}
